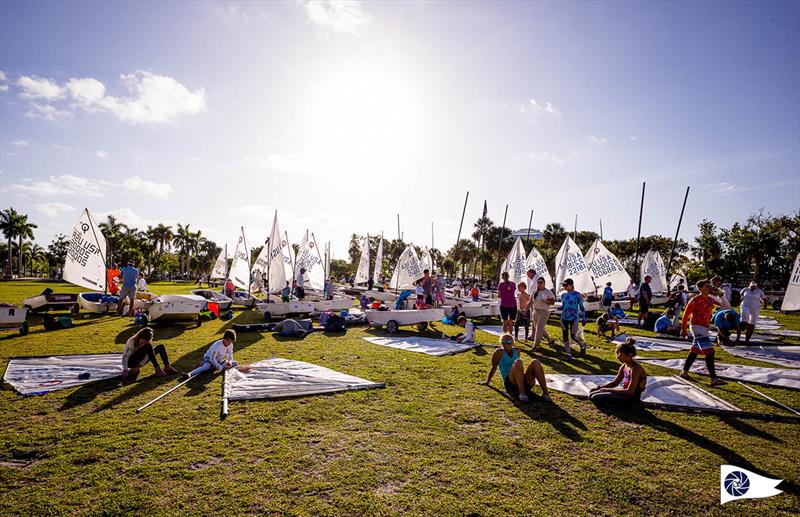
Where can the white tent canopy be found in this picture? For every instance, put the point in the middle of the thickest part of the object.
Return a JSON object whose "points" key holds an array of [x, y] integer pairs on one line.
{"points": [[407, 271], [571, 264], [605, 267], [240, 266], [669, 392], [791, 300], [536, 261], [516, 263], [653, 265], [362, 273], [40, 375], [781, 377], [85, 264], [278, 378], [437, 347]]}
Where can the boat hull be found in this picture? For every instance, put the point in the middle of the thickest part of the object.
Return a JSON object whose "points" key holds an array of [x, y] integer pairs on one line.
{"points": [[91, 302], [283, 309], [223, 302], [404, 317], [176, 307], [51, 302]]}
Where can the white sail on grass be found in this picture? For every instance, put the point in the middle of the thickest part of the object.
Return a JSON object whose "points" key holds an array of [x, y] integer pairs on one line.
{"points": [[221, 265], [571, 264], [791, 300], [240, 266], [653, 266], [85, 263], [376, 274], [362, 273], [407, 271], [537, 262], [605, 267], [515, 263]]}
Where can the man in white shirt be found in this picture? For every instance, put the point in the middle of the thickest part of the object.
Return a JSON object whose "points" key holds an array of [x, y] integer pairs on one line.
{"points": [[141, 285], [751, 308], [457, 288], [300, 283]]}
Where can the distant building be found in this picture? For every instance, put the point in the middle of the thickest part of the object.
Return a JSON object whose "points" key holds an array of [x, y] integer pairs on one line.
{"points": [[523, 233]]}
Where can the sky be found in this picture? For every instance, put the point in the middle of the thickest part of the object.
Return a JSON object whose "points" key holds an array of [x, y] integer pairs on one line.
{"points": [[342, 115]]}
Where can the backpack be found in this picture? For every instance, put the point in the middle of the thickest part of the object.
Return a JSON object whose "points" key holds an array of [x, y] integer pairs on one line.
{"points": [[335, 323]]}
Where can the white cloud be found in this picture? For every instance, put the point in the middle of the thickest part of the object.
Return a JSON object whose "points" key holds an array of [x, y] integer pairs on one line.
{"points": [[147, 187], [39, 88], [232, 12], [45, 111], [337, 15], [154, 99], [536, 107], [101, 154], [3, 78], [598, 140], [549, 108], [724, 188], [20, 143], [54, 209], [68, 184], [556, 159], [281, 163], [127, 217], [254, 212]]}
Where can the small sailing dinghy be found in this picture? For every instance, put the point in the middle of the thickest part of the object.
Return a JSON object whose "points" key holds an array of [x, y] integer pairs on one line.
{"points": [[223, 302], [14, 317], [176, 307]]}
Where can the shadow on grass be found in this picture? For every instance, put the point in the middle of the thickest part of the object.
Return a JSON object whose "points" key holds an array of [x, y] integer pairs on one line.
{"points": [[161, 331], [548, 412], [727, 455], [77, 324]]}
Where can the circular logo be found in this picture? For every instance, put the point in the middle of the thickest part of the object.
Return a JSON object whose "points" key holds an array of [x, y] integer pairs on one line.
{"points": [[737, 483], [84, 227], [310, 244]]}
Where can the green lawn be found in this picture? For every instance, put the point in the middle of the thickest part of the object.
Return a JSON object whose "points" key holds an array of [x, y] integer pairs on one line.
{"points": [[431, 442]]}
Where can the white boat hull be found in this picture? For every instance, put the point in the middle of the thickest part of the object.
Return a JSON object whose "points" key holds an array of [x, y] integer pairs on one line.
{"points": [[95, 307], [14, 317], [222, 301], [242, 299], [176, 307], [51, 302], [335, 305], [394, 319], [283, 309]]}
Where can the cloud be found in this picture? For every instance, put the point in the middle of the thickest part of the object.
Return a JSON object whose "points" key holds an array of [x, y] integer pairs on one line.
{"points": [[281, 163], [254, 212], [598, 140], [337, 15], [232, 12], [39, 88], [147, 187], [535, 107], [20, 143], [68, 184], [45, 111], [153, 99], [555, 159], [54, 209], [127, 217], [3, 85], [101, 154], [633, 138], [724, 188]]}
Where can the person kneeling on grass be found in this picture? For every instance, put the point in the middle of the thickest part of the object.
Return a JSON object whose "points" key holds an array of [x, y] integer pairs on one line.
{"points": [[726, 321], [633, 379], [219, 356], [139, 350], [468, 336], [665, 324], [517, 381], [607, 323], [618, 312]]}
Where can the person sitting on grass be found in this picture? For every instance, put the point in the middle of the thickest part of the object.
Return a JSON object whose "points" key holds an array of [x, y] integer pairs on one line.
{"points": [[633, 379], [219, 356], [517, 381], [618, 312], [468, 336], [139, 350], [726, 321], [364, 302], [606, 323], [665, 324]]}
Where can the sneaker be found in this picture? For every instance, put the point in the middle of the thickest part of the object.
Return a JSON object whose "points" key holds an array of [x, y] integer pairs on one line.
{"points": [[547, 398], [523, 397], [160, 372], [170, 369]]}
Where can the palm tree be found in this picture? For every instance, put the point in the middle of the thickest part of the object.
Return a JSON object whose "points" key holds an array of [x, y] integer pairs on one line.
{"points": [[112, 230], [24, 231], [9, 222], [182, 241], [163, 236]]}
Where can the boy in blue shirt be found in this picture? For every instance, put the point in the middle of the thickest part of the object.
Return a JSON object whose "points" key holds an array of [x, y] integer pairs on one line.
{"points": [[664, 324], [727, 320], [608, 297]]}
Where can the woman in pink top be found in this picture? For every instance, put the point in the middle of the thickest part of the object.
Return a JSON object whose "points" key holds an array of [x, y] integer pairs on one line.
{"points": [[508, 303]]}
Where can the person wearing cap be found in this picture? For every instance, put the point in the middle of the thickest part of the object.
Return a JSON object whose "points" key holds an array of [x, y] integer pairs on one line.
{"points": [[542, 301], [573, 314], [129, 275], [645, 295], [608, 297], [751, 307], [699, 310], [517, 381]]}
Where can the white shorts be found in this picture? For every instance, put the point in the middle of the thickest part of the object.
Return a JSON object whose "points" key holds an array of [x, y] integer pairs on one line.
{"points": [[750, 314]]}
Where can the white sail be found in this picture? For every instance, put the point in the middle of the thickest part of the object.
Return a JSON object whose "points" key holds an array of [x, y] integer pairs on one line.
{"points": [[515, 264], [653, 265], [425, 260], [240, 266], [791, 300], [605, 267], [536, 261], [221, 265], [288, 257], [407, 271], [85, 264], [362, 273], [376, 274], [677, 278], [309, 259], [570, 264]]}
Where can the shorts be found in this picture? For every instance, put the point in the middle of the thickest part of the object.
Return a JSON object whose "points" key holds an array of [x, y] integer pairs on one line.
{"points": [[300, 293], [702, 342], [440, 296], [607, 303], [644, 307], [513, 390], [523, 317], [420, 299], [750, 314], [127, 292], [508, 313], [428, 299]]}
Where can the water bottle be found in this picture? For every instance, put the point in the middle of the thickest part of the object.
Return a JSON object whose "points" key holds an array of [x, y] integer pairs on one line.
{"points": [[229, 315]]}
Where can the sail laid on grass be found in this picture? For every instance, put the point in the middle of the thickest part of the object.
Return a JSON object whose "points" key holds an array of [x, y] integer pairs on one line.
{"points": [[40, 375], [85, 263]]}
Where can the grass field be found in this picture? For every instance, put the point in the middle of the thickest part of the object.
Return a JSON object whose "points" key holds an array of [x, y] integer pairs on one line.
{"points": [[431, 442]]}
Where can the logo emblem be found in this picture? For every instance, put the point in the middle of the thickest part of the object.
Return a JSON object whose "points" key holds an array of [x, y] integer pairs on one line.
{"points": [[737, 483], [84, 227]]}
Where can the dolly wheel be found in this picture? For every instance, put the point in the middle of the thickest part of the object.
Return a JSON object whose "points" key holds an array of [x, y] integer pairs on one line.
{"points": [[392, 326]]}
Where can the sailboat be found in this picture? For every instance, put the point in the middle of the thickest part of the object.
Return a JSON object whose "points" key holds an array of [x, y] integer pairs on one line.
{"points": [[240, 298], [84, 266], [605, 267], [791, 299], [308, 258], [570, 263], [272, 261], [653, 266], [536, 262]]}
